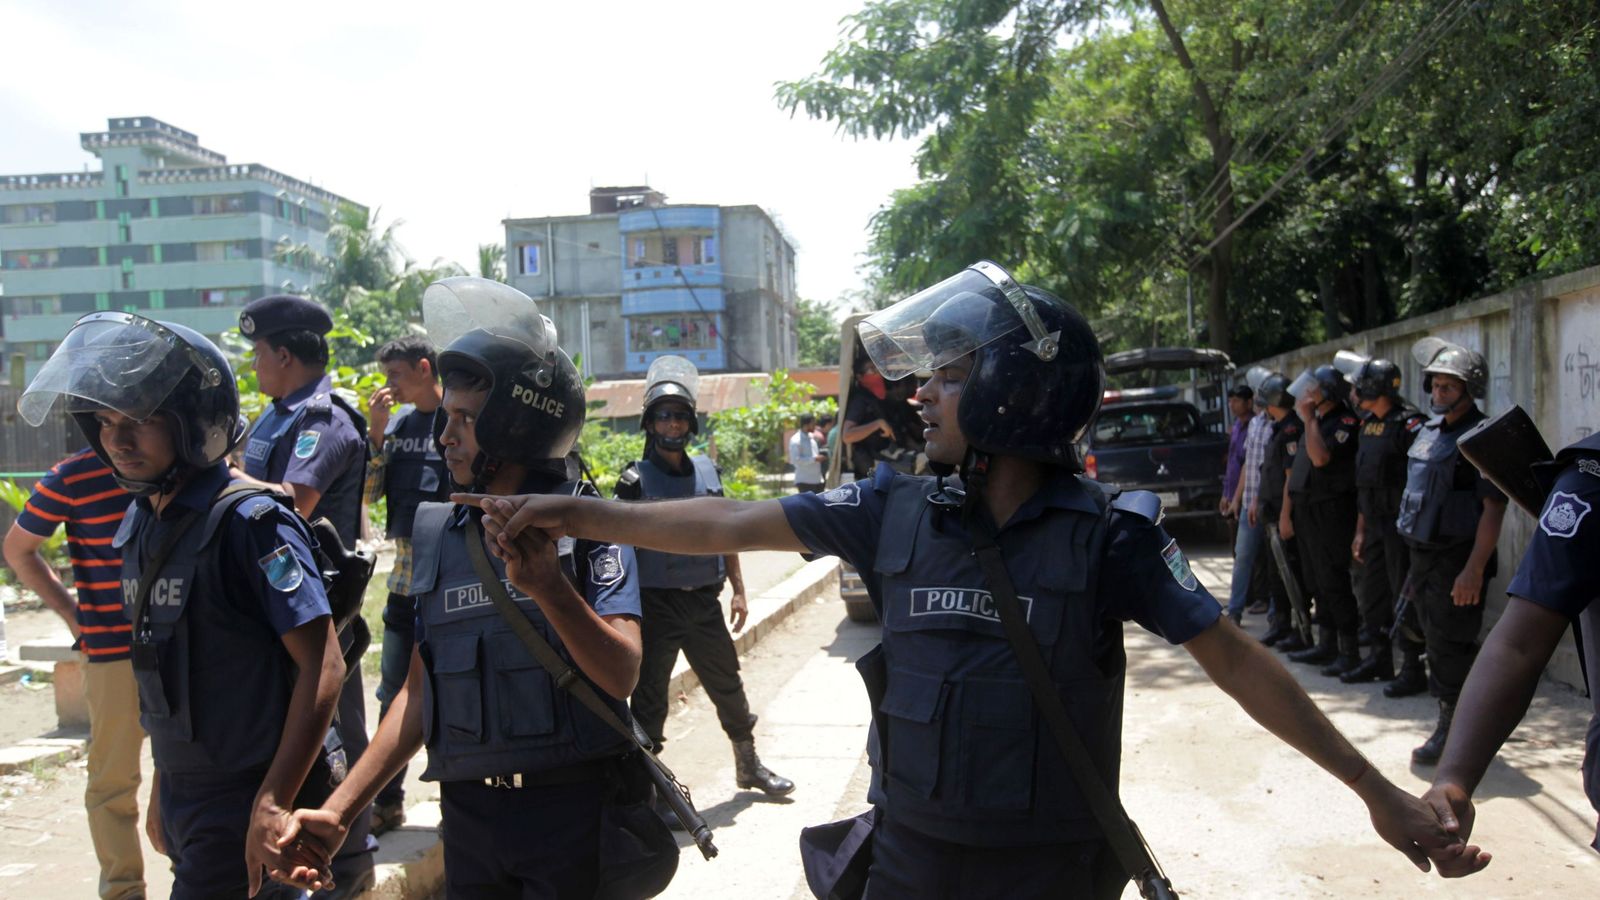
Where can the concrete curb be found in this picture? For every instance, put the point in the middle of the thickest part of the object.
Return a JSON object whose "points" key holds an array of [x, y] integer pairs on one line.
{"points": [[40, 752], [411, 860]]}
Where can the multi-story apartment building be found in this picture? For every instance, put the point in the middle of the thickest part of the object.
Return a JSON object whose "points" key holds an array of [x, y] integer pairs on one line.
{"points": [[637, 278], [166, 228]]}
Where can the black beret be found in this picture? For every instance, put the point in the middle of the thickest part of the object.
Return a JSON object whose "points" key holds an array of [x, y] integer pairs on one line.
{"points": [[282, 312]]}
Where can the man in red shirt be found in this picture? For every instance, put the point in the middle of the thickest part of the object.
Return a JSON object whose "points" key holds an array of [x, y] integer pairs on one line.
{"points": [[81, 492]]}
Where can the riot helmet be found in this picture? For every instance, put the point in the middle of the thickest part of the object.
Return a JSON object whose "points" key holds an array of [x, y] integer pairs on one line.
{"points": [[670, 378], [1274, 391], [1437, 356], [494, 332], [1377, 378], [1037, 375], [1332, 384], [139, 367]]}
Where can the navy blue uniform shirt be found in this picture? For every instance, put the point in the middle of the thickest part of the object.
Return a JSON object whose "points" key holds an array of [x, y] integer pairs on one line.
{"points": [[1560, 573], [1143, 575]]}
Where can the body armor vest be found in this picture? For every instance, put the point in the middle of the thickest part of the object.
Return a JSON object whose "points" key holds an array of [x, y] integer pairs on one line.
{"points": [[271, 441], [1381, 463], [488, 707], [415, 472], [962, 751], [191, 691], [1332, 480], [676, 570], [1432, 511], [1287, 434]]}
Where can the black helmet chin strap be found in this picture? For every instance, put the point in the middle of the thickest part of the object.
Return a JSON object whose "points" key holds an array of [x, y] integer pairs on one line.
{"points": [[166, 483]]}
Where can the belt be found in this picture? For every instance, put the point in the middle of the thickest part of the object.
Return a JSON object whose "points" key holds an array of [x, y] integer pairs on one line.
{"points": [[578, 773]]}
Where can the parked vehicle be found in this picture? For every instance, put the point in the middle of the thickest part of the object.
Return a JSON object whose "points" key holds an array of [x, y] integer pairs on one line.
{"points": [[1154, 439]]}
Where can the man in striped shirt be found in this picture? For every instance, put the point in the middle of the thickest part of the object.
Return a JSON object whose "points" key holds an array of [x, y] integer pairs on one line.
{"points": [[81, 492]]}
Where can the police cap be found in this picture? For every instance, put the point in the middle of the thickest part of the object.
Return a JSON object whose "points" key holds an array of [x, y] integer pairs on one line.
{"points": [[283, 312]]}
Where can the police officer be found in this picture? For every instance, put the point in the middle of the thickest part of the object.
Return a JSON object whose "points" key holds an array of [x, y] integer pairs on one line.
{"points": [[971, 794], [1282, 447], [1450, 517], [405, 470], [1322, 512], [1557, 583], [681, 595], [310, 442], [523, 766], [234, 652], [1388, 427]]}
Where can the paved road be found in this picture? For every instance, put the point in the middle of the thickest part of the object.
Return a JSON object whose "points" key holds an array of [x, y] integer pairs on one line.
{"points": [[1231, 811]]}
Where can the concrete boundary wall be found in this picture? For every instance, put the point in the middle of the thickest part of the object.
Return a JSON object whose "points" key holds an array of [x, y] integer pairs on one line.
{"points": [[1542, 344]]}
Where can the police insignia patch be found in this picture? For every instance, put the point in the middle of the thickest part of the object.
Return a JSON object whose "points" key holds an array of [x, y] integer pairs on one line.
{"points": [[247, 325], [282, 569], [1341, 436], [1563, 515], [1179, 566], [605, 565], [305, 444], [1589, 467], [843, 495]]}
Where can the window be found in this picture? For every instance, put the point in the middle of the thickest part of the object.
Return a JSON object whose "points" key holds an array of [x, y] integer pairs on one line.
{"points": [[127, 279], [29, 259], [221, 251], [33, 306], [28, 214], [224, 296], [1145, 425], [673, 248], [527, 259], [218, 204], [673, 332]]}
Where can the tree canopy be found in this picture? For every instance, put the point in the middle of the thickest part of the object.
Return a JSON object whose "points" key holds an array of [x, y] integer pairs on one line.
{"points": [[1309, 168]]}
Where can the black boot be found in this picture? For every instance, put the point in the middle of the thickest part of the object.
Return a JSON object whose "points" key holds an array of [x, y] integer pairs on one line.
{"points": [[1428, 754], [750, 773], [1413, 677], [1277, 632], [1349, 657], [1292, 643], [1326, 650], [1378, 666]]}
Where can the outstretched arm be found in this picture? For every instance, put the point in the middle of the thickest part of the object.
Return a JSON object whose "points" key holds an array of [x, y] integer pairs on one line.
{"points": [[701, 525], [1243, 668], [1494, 699]]}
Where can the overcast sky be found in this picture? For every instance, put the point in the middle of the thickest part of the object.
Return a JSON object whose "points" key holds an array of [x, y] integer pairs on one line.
{"points": [[455, 115]]}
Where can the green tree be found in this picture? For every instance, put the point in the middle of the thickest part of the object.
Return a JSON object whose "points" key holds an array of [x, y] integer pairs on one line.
{"points": [[492, 261], [361, 254], [818, 331]]}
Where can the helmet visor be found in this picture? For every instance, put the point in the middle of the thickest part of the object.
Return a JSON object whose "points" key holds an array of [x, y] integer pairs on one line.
{"points": [[1425, 349], [455, 306], [674, 370], [116, 360], [938, 325], [1349, 363], [1302, 383], [1255, 375]]}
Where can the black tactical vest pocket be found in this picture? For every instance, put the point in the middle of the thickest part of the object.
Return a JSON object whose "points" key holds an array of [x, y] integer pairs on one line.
{"points": [[524, 695], [995, 748], [458, 692], [913, 710]]}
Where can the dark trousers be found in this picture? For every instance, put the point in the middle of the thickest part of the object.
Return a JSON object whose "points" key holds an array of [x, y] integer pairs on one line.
{"points": [[399, 635], [1324, 529], [1450, 631], [1381, 574], [690, 621], [354, 861], [908, 863], [806, 487], [204, 820], [523, 843]]}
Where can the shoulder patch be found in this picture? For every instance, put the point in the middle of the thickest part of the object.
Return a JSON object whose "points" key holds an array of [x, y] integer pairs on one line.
{"points": [[1341, 435], [1563, 514], [305, 443], [843, 495], [605, 565], [1179, 566], [1415, 423], [282, 569]]}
